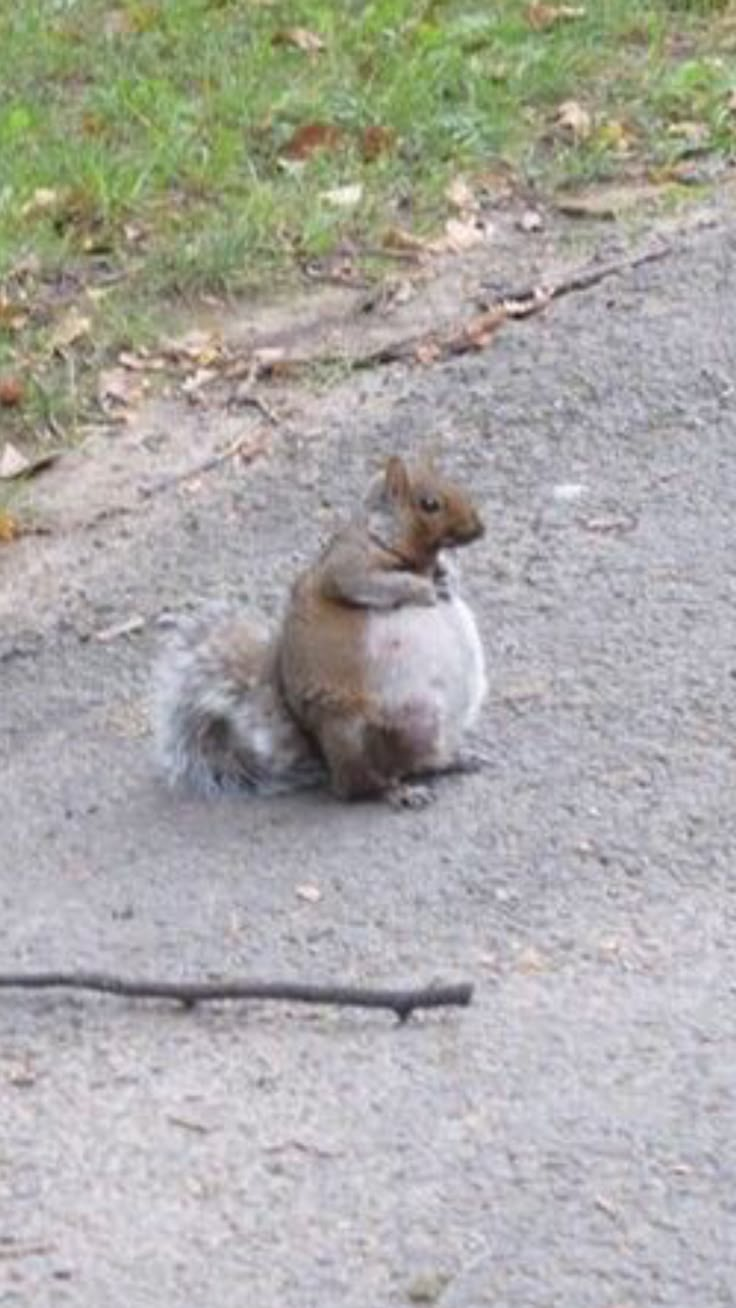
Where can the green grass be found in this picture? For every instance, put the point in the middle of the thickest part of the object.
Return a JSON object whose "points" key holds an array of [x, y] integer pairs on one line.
{"points": [[156, 128]]}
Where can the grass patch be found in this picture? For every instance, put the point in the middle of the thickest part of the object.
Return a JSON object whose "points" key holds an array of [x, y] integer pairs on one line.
{"points": [[145, 144]]}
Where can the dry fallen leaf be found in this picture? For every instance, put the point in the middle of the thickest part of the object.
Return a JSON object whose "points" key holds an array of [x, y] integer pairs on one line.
{"points": [[461, 196], [615, 136], [309, 893], [22, 1073], [530, 221], [462, 234], [9, 527], [118, 22], [13, 314], [11, 392], [344, 197], [398, 238], [200, 347], [575, 121], [376, 141], [12, 462], [197, 380], [142, 362], [300, 38], [476, 333], [606, 202], [531, 960], [694, 133], [541, 16], [311, 137], [128, 627], [70, 329], [119, 386], [42, 200], [427, 352]]}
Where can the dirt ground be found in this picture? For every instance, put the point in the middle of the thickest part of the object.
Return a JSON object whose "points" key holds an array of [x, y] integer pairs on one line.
{"points": [[569, 1141]]}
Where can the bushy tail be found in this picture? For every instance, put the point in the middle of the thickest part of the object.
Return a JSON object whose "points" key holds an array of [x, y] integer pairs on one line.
{"points": [[219, 721]]}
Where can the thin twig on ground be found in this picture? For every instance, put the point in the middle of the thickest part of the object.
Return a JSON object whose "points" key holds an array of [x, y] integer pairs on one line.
{"points": [[579, 280], [402, 1002]]}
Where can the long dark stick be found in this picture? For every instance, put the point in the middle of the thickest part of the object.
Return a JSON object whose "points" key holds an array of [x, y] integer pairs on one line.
{"points": [[579, 280], [401, 1002]]}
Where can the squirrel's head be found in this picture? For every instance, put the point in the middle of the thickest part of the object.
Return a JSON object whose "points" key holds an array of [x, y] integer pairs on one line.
{"points": [[428, 513]]}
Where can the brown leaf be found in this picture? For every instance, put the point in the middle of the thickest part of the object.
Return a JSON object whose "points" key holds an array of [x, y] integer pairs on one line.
{"points": [[13, 315], [398, 238], [575, 121], [476, 333], [541, 17], [311, 137], [9, 527], [300, 38], [12, 391], [377, 141], [731, 101]]}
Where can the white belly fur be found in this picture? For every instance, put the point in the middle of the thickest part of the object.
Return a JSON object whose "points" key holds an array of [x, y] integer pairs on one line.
{"points": [[428, 663]]}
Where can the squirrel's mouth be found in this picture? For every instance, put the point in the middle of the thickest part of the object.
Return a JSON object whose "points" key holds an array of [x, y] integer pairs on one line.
{"points": [[465, 535]]}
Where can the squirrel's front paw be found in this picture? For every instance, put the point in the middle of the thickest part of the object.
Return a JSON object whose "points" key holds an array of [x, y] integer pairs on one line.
{"points": [[403, 795], [444, 581]]}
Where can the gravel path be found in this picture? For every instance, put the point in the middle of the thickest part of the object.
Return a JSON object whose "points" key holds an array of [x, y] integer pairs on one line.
{"points": [[570, 1140]]}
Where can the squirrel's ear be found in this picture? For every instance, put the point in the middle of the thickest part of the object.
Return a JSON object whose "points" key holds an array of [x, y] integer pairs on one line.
{"points": [[397, 480]]}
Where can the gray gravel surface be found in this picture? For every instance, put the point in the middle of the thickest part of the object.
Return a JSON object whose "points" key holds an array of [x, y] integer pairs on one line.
{"points": [[570, 1140]]}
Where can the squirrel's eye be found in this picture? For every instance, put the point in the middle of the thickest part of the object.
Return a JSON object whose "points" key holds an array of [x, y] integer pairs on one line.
{"points": [[429, 504]]}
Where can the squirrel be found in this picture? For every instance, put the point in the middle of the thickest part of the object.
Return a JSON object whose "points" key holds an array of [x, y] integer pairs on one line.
{"points": [[373, 679]]}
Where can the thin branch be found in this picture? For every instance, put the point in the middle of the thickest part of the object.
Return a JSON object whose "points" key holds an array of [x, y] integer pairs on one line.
{"points": [[401, 1002], [579, 280], [473, 333]]}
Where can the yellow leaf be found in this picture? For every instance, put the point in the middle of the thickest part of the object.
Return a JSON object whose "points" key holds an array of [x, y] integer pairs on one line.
{"points": [[9, 527], [615, 135]]}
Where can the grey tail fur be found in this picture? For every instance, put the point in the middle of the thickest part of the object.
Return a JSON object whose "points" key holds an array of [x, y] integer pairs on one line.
{"points": [[220, 724]]}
